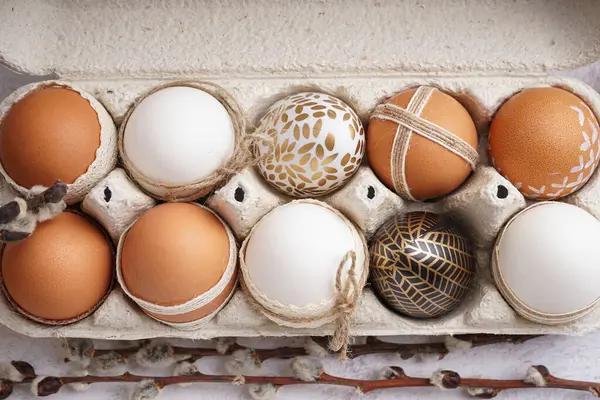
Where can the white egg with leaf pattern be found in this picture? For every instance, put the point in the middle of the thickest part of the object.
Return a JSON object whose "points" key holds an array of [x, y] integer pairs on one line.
{"points": [[318, 144]]}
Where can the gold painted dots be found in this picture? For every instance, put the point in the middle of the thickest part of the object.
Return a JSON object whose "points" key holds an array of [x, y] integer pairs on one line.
{"points": [[318, 144]]}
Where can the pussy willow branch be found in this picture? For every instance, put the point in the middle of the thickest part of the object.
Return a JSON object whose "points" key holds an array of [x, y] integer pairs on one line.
{"points": [[13, 213], [372, 346], [394, 377]]}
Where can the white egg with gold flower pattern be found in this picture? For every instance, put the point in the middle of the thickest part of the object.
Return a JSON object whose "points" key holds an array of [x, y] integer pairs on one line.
{"points": [[318, 144]]}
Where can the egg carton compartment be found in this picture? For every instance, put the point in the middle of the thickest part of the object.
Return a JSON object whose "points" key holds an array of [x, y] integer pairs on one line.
{"points": [[482, 205]]}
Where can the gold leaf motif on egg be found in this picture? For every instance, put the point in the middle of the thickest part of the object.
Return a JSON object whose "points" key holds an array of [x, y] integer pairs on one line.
{"points": [[319, 151], [352, 132], [290, 172], [304, 159], [318, 107], [277, 152], [306, 148], [329, 159], [297, 168], [331, 114], [314, 164], [317, 175], [319, 114], [346, 117], [305, 131], [330, 141], [286, 127], [284, 145], [301, 117], [284, 117], [317, 128], [345, 159], [304, 178], [298, 109], [330, 170], [287, 157], [296, 132]]}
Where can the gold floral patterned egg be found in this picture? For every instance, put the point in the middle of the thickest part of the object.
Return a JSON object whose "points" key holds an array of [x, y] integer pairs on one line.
{"points": [[318, 143]]}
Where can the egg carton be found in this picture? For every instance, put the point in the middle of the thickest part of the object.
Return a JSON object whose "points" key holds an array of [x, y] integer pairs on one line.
{"points": [[261, 52]]}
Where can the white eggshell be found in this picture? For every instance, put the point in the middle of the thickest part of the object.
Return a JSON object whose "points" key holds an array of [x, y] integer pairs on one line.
{"points": [[319, 143], [294, 253], [177, 136], [549, 257]]}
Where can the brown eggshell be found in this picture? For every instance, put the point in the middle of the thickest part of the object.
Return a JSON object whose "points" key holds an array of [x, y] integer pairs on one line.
{"points": [[52, 133], [174, 253], [62, 271], [545, 141], [431, 170]]}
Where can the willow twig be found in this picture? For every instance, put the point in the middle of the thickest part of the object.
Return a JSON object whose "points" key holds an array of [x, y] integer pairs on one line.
{"points": [[151, 353], [306, 371]]}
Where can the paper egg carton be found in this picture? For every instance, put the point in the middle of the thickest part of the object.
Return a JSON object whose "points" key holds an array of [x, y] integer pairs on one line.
{"points": [[261, 52]]}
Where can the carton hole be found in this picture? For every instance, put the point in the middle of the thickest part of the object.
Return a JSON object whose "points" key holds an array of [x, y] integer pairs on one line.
{"points": [[107, 194], [502, 192], [370, 192], [239, 194]]}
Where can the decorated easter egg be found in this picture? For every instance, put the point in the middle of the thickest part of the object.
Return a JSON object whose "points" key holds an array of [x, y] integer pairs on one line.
{"points": [[545, 141], [61, 273], [317, 143], [53, 131], [421, 264], [178, 263], [422, 143], [291, 260], [176, 138], [546, 262]]}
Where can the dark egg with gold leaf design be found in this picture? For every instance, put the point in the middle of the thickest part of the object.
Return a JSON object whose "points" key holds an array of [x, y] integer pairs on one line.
{"points": [[317, 143], [421, 264]]}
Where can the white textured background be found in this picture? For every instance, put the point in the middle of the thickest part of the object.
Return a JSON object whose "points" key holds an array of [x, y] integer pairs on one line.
{"points": [[567, 357]]}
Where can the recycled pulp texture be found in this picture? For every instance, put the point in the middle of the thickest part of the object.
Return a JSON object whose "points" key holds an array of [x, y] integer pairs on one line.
{"points": [[482, 204], [261, 51]]}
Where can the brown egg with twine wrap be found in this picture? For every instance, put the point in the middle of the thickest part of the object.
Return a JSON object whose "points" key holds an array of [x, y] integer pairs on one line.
{"points": [[422, 143], [178, 262], [305, 265], [54, 130], [192, 138]]}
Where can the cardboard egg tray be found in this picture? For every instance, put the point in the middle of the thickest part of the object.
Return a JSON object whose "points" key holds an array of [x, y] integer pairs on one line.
{"points": [[260, 52]]}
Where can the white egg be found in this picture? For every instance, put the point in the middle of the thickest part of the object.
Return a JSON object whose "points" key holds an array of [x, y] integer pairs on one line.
{"points": [[319, 143], [547, 262], [177, 136], [293, 254]]}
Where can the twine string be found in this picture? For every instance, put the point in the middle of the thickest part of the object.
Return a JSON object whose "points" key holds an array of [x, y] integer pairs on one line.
{"points": [[345, 302]]}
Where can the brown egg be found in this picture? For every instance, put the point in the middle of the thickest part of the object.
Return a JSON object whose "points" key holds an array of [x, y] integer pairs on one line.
{"points": [[174, 253], [545, 141], [425, 169], [61, 272], [52, 133]]}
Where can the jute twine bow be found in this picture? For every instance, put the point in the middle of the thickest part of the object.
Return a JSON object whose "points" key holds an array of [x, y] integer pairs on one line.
{"points": [[409, 121], [243, 155], [339, 309], [345, 302]]}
